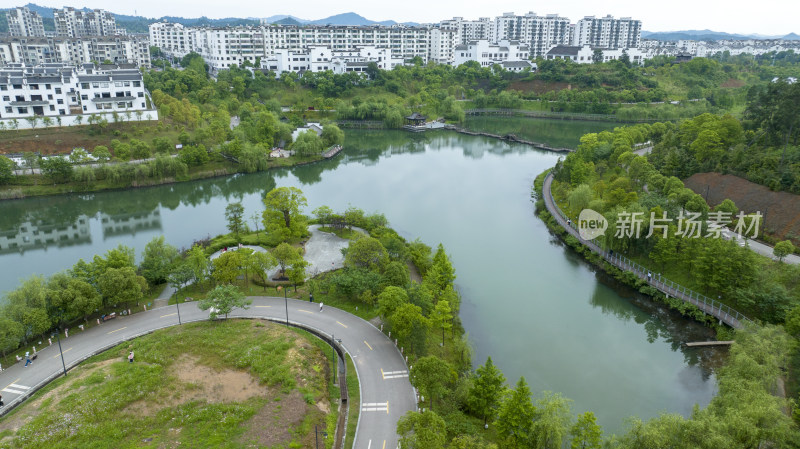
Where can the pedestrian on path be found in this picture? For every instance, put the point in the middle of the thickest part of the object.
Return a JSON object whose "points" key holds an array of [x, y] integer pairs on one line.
{"points": [[28, 359], [1, 401], [130, 357], [320, 307], [310, 297], [649, 276]]}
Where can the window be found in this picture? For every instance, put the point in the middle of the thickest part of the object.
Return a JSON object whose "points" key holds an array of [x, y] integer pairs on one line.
{"points": [[58, 90], [60, 101], [84, 85], [103, 84], [127, 84], [52, 108], [140, 94], [84, 97], [6, 98], [61, 112], [47, 86], [17, 86], [22, 110], [9, 109], [33, 86], [49, 96], [121, 105], [3, 86], [118, 83], [96, 85]]}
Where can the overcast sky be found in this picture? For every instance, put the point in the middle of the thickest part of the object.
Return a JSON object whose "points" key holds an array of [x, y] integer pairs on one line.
{"points": [[769, 17]]}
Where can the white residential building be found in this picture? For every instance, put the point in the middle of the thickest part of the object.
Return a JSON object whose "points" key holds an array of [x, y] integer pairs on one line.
{"points": [[585, 54], [470, 30], [78, 23], [173, 38], [75, 51], [442, 45], [608, 32], [540, 32], [53, 90], [319, 59], [24, 22], [487, 54]]}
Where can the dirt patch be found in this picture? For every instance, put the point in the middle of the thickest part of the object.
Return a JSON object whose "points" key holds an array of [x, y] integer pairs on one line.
{"points": [[782, 209], [197, 382], [538, 86], [733, 82], [271, 425]]}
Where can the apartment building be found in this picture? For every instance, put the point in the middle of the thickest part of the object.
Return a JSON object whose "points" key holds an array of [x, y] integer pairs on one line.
{"points": [[487, 54], [75, 51], [78, 23], [585, 54], [52, 90], [608, 32], [442, 46], [24, 22], [470, 30], [319, 59], [540, 33]]}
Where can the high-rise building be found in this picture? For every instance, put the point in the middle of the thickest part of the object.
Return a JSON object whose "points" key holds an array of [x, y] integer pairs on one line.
{"points": [[540, 32], [24, 22], [77, 23], [608, 32], [33, 51]]}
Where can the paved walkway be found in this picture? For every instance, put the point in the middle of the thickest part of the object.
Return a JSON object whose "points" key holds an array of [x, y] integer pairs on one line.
{"points": [[710, 306], [384, 398]]}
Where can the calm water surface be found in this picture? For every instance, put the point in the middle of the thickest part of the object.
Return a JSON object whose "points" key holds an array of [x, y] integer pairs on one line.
{"points": [[529, 302]]}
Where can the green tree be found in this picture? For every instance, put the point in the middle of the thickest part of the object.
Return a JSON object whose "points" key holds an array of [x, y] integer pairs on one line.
{"points": [[323, 214], [57, 168], [580, 197], [408, 319], [234, 213], [27, 305], [487, 391], [157, 260], [261, 263], [390, 299], [470, 442], [31, 160], [11, 333], [366, 252], [198, 261], [222, 300], [121, 285], [283, 213], [551, 421], [102, 154], [286, 255], [307, 143], [297, 272], [442, 316], [783, 249], [74, 297], [586, 434], [180, 275], [332, 135], [6, 170], [515, 417], [424, 430], [431, 376], [227, 267]]}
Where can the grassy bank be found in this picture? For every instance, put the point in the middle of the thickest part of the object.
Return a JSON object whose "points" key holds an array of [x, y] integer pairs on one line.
{"points": [[237, 383]]}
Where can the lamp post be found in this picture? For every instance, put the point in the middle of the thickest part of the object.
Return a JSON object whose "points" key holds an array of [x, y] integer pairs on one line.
{"points": [[286, 303], [58, 332], [178, 305], [316, 436]]}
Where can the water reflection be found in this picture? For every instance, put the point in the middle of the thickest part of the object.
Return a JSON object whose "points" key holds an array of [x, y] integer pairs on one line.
{"points": [[130, 223], [40, 234]]}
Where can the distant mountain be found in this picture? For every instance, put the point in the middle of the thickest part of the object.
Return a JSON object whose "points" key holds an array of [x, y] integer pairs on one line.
{"points": [[707, 35], [791, 37], [287, 21], [280, 17], [349, 18]]}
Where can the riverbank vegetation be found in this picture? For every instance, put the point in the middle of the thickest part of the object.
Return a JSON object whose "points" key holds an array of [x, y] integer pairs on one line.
{"points": [[234, 383]]}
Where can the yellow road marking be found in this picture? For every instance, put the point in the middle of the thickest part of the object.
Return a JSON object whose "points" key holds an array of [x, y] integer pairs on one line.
{"points": [[171, 314], [383, 375], [370, 347], [387, 412], [306, 311], [343, 325], [263, 306], [384, 444], [59, 355], [117, 330]]}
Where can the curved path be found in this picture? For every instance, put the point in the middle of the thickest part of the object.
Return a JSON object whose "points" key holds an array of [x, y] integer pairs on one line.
{"points": [[710, 306], [386, 393]]}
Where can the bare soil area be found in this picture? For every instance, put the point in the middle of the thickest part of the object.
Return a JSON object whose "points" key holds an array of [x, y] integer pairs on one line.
{"points": [[782, 209], [538, 86], [733, 82]]}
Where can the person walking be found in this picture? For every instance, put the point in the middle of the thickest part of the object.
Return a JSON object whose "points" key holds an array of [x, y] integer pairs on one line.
{"points": [[320, 307], [28, 359], [310, 297], [130, 357], [1, 401]]}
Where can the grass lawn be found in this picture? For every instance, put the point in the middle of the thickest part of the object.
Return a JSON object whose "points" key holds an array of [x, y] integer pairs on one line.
{"points": [[224, 384]]}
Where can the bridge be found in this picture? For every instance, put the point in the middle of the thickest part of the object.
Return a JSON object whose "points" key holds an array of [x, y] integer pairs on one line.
{"points": [[722, 312]]}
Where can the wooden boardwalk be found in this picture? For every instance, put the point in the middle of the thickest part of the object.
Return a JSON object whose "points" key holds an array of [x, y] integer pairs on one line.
{"points": [[332, 151], [507, 137], [722, 312]]}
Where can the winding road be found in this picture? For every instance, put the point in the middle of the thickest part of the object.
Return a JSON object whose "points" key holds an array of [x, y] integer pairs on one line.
{"points": [[386, 392]]}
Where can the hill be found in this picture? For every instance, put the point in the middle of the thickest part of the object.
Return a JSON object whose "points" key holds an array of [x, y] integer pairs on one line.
{"points": [[705, 35]]}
